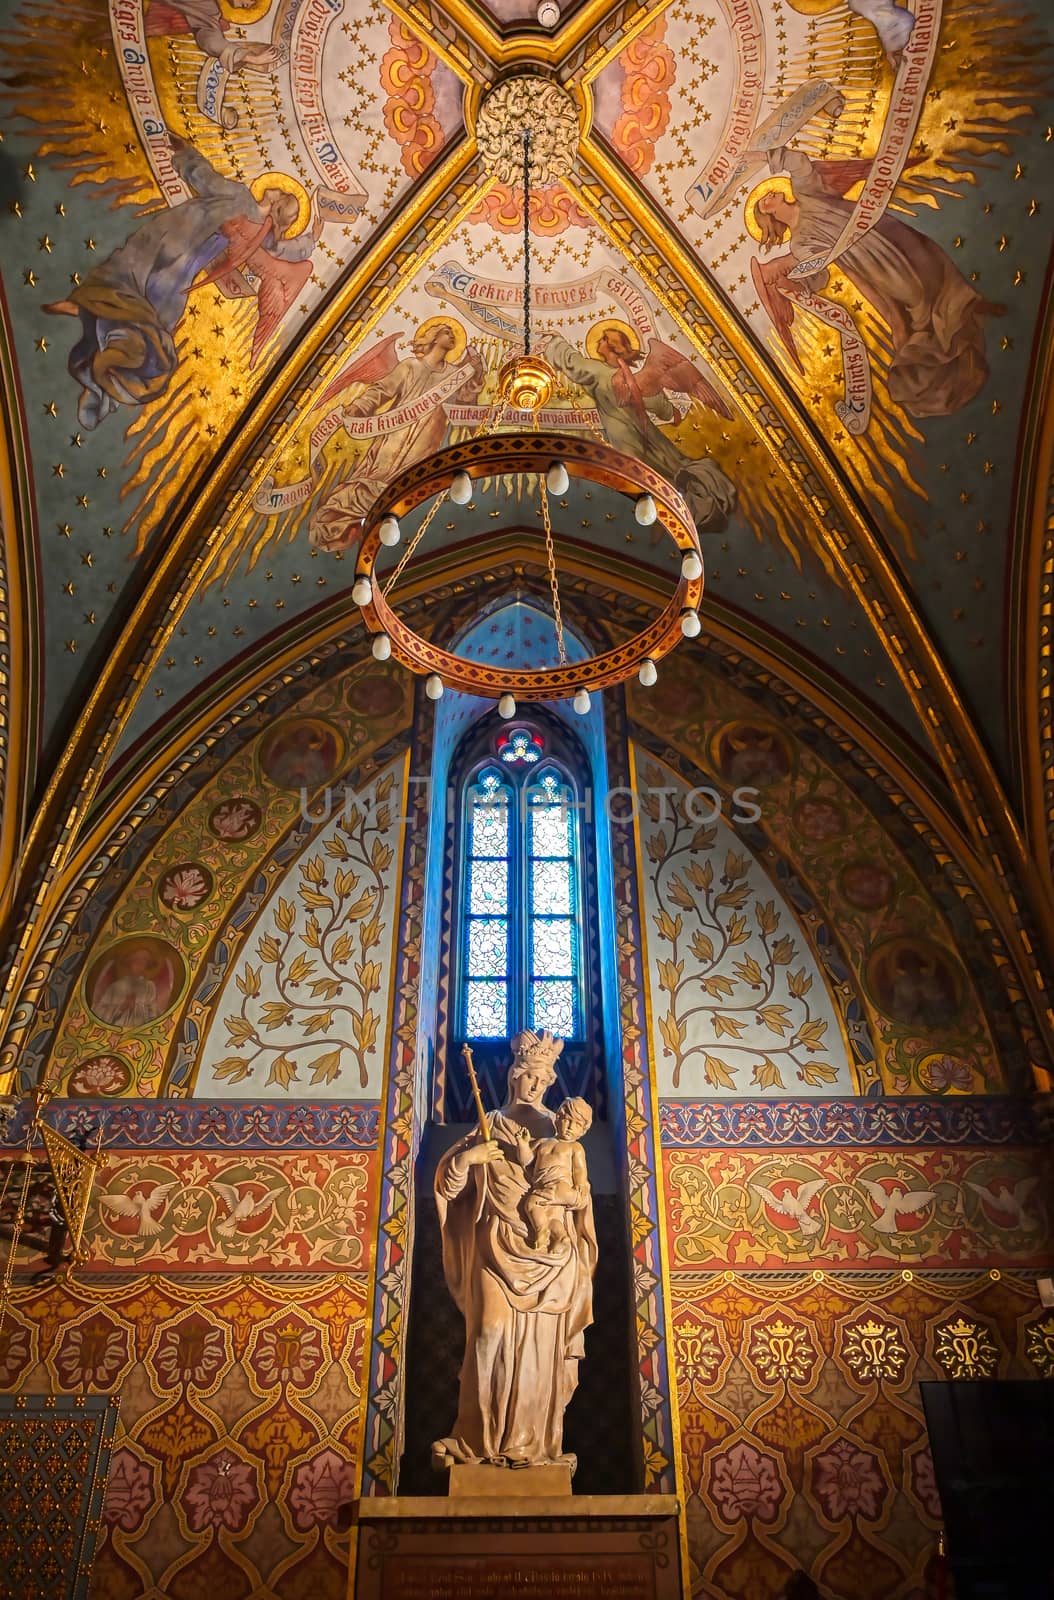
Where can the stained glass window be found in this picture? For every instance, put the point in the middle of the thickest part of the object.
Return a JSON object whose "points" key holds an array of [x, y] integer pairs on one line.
{"points": [[520, 747], [521, 962], [486, 936], [553, 932]]}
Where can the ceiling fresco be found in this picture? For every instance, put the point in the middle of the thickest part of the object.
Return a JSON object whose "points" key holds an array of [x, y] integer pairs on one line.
{"points": [[259, 257], [441, 346], [844, 172]]}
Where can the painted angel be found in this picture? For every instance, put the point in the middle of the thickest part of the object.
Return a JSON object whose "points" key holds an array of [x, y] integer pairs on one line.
{"points": [[131, 304], [252, 266], [937, 362], [435, 372], [633, 392]]}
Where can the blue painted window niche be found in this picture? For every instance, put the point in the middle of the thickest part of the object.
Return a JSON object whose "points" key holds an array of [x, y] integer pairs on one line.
{"points": [[519, 883]]}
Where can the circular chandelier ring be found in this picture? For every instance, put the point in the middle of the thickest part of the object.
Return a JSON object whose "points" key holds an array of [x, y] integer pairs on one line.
{"points": [[495, 456]]}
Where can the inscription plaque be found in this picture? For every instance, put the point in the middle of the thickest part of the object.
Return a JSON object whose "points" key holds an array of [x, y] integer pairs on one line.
{"points": [[439, 1578], [557, 1547]]}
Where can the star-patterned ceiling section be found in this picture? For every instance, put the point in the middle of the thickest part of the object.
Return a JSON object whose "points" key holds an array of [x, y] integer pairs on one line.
{"points": [[182, 186], [901, 313], [427, 375]]}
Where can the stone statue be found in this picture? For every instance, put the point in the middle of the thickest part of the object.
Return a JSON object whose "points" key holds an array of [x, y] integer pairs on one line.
{"points": [[519, 1253]]}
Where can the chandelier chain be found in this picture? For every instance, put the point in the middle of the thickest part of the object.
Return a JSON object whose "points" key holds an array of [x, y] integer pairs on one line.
{"points": [[550, 554], [414, 542]]}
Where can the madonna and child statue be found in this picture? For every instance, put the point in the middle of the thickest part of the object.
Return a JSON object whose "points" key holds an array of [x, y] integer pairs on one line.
{"points": [[519, 1254]]}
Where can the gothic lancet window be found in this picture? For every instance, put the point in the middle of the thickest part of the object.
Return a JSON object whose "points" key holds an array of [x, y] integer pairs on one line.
{"points": [[521, 950]]}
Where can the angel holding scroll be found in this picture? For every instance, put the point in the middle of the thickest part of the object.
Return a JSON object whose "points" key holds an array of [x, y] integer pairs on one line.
{"points": [[937, 361], [204, 21], [401, 406]]}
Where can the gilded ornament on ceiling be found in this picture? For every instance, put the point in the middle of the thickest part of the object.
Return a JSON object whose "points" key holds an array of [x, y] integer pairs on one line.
{"points": [[548, 111]]}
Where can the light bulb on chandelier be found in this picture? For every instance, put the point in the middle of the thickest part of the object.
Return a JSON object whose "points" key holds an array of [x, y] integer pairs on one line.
{"points": [[581, 702], [507, 706], [556, 479], [461, 489], [434, 686], [381, 647], [492, 463], [645, 510], [389, 531]]}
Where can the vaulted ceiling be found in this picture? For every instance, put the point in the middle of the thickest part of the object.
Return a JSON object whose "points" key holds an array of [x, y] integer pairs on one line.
{"points": [[817, 233]]}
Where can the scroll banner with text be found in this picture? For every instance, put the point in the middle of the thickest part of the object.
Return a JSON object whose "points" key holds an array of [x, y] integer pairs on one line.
{"points": [[339, 197], [211, 92], [559, 418], [722, 176], [269, 501], [898, 130], [789, 119], [854, 409], [300, 33], [485, 301], [129, 36]]}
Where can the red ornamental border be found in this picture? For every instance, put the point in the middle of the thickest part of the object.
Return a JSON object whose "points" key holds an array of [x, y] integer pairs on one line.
{"points": [[494, 456]]}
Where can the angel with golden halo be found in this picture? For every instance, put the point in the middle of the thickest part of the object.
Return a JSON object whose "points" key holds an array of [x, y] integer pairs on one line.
{"points": [[937, 361], [250, 240], [634, 391], [441, 368]]}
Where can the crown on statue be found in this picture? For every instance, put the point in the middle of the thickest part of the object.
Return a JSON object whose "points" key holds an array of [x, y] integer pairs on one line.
{"points": [[536, 1050]]}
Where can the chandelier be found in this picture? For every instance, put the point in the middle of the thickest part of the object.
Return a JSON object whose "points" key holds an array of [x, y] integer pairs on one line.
{"points": [[525, 383]]}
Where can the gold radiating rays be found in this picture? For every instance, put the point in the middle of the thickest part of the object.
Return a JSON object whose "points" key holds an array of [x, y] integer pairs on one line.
{"points": [[988, 75], [69, 88], [64, 66]]}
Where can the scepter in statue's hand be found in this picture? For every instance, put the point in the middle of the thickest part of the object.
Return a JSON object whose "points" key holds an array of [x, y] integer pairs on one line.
{"points": [[484, 1128]]}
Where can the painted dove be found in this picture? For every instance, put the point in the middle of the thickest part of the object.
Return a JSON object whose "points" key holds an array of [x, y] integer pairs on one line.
{"points": [[1010, 1203], [892, 1206], [795, 1206], [242, 1206], [142, 1206]]}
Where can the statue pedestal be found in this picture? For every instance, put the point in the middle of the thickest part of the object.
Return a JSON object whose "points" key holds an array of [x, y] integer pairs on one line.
{"points": [[508, 1546], [477, 1479]]}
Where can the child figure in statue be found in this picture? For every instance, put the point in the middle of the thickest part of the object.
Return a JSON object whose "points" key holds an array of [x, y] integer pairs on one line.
{"points": [[557, 1171]]}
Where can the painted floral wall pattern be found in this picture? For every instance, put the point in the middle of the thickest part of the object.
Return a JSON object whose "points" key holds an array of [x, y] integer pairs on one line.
{"points": [[178, 910], [874, 1208], [802, 1429], [740, 1002], [310, 1012], [214, 1212], [929, 1032]]}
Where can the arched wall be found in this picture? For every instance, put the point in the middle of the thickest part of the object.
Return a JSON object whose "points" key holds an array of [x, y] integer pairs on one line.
{"points": [[773, 1225]]}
